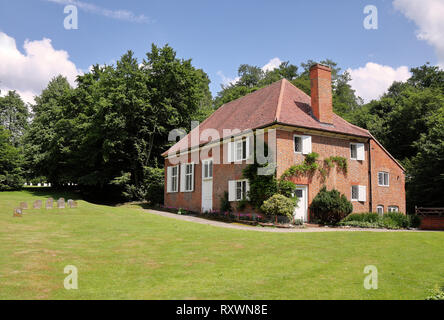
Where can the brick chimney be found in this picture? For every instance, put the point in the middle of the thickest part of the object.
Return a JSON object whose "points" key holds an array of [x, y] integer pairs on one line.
{"points": [[321, 93]]}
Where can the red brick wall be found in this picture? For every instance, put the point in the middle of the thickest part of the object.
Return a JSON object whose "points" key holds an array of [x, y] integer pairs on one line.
{"points": [[222, 173], [358, 174], [394, 195], [325, 147]]}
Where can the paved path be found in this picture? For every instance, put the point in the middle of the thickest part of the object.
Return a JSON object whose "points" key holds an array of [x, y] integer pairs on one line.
{"points": [[265, 229]]}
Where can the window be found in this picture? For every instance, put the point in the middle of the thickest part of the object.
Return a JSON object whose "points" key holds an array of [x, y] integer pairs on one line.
{"points": [[187, 177], [357, 151], [380, 210], [353, 151], [393, 209], [238, 190], [383, 179], [302, 144], [241, 190], [172, 181], [189, 173], [359, 193], [207, 169], [355, 193], [297, 144], [240, 151]]}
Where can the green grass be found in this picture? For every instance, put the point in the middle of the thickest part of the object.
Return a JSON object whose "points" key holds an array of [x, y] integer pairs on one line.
{"points": [[127, 253]]}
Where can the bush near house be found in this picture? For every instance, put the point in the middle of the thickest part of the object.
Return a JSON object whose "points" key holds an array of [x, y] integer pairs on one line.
{"points": [[330, 207], [278, 205], [392, 220]]}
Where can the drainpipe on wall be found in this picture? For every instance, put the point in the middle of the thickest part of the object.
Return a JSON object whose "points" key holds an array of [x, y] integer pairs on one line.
{"points": [[370, 174]]}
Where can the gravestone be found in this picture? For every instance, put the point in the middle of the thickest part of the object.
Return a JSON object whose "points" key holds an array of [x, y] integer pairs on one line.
{"points": [[50, 203], [23, 205], [18, 212], [61, 203], [37, 204], [72, 203]]}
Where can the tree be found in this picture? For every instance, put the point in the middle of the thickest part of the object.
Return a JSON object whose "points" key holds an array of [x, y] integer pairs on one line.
{"points": [[107, 134], [10, 163], [425, 179], [13, 115]]}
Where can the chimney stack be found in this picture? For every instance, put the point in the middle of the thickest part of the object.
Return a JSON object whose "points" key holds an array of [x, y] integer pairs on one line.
{"points": [[321, 93]]}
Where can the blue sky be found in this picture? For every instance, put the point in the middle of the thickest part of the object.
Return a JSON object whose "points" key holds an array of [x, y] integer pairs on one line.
{"points": [[221, 35]]}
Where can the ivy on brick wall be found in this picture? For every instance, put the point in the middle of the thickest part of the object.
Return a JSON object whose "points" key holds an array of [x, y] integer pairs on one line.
{"points": [[311, 165]]}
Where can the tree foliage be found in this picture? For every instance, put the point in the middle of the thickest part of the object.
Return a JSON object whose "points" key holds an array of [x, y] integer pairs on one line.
{"points": [[107, 133]]}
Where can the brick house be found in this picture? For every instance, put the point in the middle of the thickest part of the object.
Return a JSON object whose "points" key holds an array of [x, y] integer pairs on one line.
{"points": [[209, 160]]}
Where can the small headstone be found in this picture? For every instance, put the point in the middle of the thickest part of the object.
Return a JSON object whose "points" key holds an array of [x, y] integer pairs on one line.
{"points": [[23, 205], [61, 203], [72, 203], [45, 184], [39, 185], [30, 184], [18, 212], [50, 203], [37, 204]]}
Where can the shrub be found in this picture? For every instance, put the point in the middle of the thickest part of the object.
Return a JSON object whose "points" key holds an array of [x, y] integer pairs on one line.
{"points": [[374, 220], [362, 217], [278, 205], [396, 219], [414, 221], [330, 207], [154, 183], [225, 205], [436, 294]]}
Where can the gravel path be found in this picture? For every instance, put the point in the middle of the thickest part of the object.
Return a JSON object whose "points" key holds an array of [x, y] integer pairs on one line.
{"points": [[265, 229]]}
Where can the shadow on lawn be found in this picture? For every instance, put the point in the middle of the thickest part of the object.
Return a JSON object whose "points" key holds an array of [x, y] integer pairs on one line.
{"points": [[45, 192]]}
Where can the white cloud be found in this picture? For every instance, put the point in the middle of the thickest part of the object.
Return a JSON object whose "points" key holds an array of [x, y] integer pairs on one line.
{"points": [[272, 64], [226, 81], [371, 81], [114, 14], [428, 16], [30, 72]]}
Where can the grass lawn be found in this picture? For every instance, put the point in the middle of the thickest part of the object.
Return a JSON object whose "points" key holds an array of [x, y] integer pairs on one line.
{"points": [[127, 253]]}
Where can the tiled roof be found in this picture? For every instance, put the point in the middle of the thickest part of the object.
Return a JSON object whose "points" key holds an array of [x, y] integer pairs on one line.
{"points": [[280, 102]]}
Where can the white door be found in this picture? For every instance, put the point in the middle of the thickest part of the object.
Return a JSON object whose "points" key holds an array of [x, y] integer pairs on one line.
{"points": [[207, 185], [301, 211]]}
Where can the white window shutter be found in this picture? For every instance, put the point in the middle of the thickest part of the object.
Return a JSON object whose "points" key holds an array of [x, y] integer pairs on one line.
{"points": [[247, 143], [193, 166], [248, 189], [230, 150], [232, 190], [362, 193], [360, 151], [169, 179], [306, 145], [182, 177]]}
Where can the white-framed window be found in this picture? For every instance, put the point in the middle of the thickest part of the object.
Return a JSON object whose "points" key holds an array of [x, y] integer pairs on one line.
{"points": [[359, 193], [187, 177], [357, 151], [172, 179], [207, 169], [380, 210], [393, 209], [302, 144], [238, 190], [383, 179], [239, 150]]}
